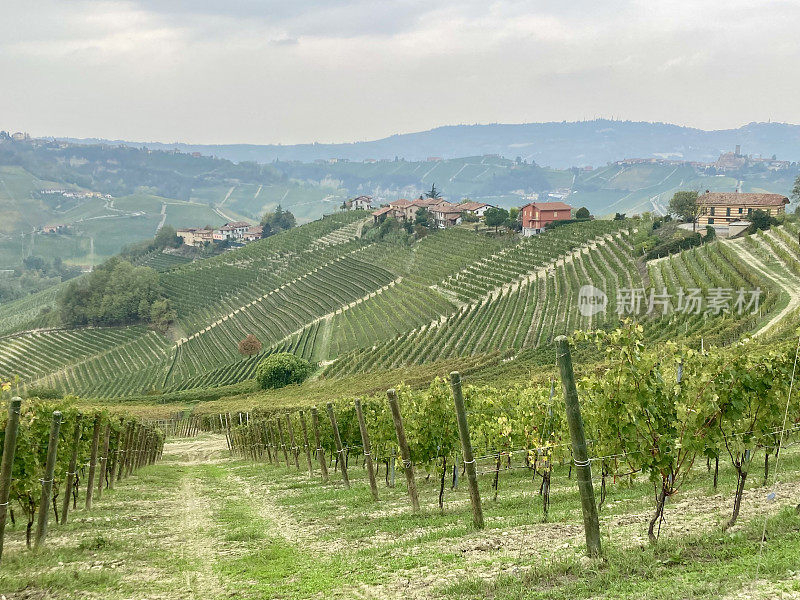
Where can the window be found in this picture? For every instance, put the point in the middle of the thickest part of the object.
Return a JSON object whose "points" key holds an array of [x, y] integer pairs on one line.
{"points": [[555, 214], [712, 210], [740, 210], [749, 211], [728, 212], [711, 221]]}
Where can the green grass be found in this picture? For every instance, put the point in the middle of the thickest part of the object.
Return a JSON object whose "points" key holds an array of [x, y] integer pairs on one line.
{"points": [[200, 525]]}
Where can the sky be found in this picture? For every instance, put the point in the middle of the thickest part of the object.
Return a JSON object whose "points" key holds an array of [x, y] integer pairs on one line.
{"points": [[295, 71]]}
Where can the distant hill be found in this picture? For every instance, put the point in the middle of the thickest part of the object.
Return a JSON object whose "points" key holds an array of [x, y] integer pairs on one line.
{"points": [[559, 145]]}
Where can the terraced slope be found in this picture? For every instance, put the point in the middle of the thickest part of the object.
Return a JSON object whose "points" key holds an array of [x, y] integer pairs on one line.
{"points": [[37, 354], [521, 309], [222, 299], [336, 293], [208, 290], [514, 310]]}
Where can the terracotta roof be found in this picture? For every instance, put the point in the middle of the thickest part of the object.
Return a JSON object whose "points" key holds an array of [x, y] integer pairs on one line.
{"points": [[732, 198], [427, 202], [472, 205], [448, 209], [550, 205], [382, 211], [402, 203], [237, 224]]}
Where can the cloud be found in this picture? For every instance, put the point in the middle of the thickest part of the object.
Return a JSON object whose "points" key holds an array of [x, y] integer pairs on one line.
{"points": [[305, 70]]}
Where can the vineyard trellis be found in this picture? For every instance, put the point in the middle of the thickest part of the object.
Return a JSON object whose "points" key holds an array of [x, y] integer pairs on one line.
{"points": [[652, 413], [47, 453]]}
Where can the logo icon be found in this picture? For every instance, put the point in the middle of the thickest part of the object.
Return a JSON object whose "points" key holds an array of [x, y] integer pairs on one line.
{"points": [[591, 300]]}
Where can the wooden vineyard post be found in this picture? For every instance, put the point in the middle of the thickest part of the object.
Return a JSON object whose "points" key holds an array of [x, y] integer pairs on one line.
{"points": [[9, 448], [306, 446], [261, 442], [47, 482], [104, 461], [225, 431], [405, 453], [320, 452], [130, 451], [228, 429], [295, 449], [466, 450], [73, 465], [338, 441], [93, 460], [112, 464], [362, 425], [267, 441], [122, 448], [271, 433], [144, 433], [283, 443], [580, 453]]}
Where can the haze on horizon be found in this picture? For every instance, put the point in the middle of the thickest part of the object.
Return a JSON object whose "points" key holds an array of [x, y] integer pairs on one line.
{"points": [[277, 71]]}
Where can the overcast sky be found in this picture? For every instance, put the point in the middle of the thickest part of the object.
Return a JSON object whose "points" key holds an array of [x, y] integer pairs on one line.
{"points": [[290, 71]]}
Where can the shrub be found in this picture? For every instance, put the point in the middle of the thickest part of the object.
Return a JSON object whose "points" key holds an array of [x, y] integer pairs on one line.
{"points": [[281, 369], [673, 246], [44, 393], [761, 219]]}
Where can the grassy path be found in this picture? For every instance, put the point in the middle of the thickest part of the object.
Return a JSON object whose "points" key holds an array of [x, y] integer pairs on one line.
{"points": [[202, 525], [783, 278]]}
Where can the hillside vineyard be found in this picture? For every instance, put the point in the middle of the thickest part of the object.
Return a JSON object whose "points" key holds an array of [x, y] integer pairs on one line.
{"points": [[337, 294]]}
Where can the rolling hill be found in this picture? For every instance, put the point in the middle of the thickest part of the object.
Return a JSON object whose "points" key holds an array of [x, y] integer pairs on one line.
{"points": [[557, 144], [338, 293], [122, 195]]}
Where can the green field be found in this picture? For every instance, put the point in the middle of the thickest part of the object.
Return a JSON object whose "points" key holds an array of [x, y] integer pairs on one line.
{"points": [[333, 292], [220, 527]]}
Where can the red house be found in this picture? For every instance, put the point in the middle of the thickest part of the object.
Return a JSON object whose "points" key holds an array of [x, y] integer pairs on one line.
{"points": [[536, 215]]}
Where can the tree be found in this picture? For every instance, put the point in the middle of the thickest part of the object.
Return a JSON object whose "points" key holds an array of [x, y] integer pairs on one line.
{"points": [[495, 217], [796, 189], [619, 217], [249, 346], [115, 293], [423, 218], [761, 219], [684, 205], [512, 222], [277, 221], [266, 230], [167, 237], [582, 213], [711, 233], [433, 193], [282, 369], [162, 315]]}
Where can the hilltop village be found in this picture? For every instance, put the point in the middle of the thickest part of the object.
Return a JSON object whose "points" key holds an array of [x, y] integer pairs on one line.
{"points": [[727, 212]]}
